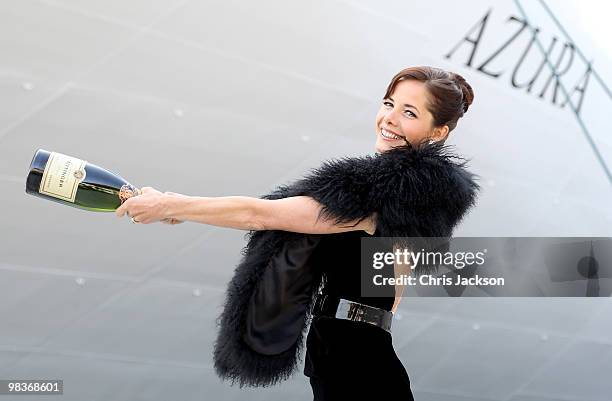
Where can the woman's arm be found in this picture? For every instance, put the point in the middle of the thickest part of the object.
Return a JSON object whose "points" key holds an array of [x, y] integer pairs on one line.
{"points": [[399, 269], [297, 214]]}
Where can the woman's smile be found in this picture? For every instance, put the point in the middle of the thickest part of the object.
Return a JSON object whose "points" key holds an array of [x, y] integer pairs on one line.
{"points": [[390, 136]]}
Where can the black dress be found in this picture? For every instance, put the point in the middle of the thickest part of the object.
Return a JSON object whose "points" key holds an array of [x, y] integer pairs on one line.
{"points": [[345, 359]]}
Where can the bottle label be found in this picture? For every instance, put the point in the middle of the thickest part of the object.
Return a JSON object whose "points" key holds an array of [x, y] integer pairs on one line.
{"points": [[62, 176]]}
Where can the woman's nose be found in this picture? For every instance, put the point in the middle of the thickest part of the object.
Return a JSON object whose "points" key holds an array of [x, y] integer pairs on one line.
{"points": [[390, 118]]}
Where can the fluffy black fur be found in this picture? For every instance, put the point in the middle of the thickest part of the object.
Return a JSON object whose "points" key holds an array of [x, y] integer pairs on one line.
{"points": [[414, 191]]}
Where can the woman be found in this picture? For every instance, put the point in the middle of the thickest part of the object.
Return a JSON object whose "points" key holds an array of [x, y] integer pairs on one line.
{"points": [[346, 358]]}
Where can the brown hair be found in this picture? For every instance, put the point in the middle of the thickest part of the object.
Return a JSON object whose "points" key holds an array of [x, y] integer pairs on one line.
{"points": [[450, 95]]}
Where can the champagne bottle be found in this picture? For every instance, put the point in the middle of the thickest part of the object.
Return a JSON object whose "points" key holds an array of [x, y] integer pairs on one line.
{"points": [[75, 182]]}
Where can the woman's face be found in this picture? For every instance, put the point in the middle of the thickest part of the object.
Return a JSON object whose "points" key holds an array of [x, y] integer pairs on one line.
{"points": [[404, 114]]}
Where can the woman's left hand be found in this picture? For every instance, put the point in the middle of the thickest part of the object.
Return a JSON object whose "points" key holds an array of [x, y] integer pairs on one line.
{"points": [[148, 207]]}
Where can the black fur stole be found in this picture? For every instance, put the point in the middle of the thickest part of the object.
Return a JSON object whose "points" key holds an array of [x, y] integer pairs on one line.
{"points": [[414, 191]]}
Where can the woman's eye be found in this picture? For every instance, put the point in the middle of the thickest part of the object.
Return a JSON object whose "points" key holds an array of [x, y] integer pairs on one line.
{"points": [[409, 113], [388, 104]]}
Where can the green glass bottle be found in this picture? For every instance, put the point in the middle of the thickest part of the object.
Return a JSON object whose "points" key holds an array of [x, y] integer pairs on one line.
{"points": [[75, 182]]}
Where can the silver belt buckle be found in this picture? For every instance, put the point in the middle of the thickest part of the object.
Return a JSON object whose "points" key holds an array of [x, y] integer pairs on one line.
{"points": [[358, 312]]}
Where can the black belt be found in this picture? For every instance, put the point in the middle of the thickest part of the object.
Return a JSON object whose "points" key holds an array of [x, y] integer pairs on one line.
{"points": [[340, 308]]}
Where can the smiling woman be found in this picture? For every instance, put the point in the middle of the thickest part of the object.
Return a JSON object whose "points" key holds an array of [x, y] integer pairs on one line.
{"points": [[298, 231], [421, 103]]}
